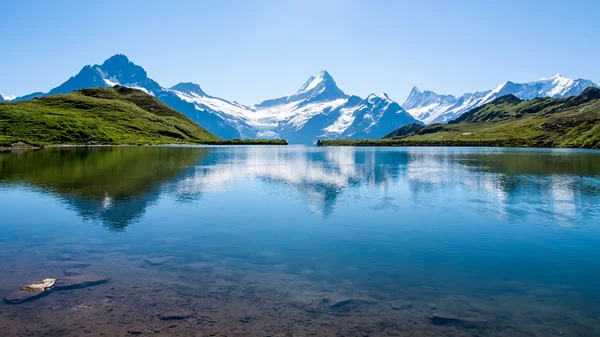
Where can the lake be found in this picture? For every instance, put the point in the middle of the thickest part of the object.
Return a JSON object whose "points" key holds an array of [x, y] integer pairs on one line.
{"points": [[303, 241]]}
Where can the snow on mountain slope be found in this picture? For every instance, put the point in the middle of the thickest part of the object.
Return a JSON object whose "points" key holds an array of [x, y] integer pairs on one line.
{"points": [[371, 119], [430, 107], [7, 98]]}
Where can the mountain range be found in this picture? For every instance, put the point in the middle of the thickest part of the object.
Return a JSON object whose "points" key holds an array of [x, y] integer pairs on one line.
{"points": [[318, 110], [510, 121], [430, 108]]}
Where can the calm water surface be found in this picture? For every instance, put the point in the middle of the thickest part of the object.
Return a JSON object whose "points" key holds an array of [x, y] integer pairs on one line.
{"points": [[297, 241]]}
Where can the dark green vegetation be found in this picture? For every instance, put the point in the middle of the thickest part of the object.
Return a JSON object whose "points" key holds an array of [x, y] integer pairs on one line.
{"points": [[118, 115], [111, 184], [507, 121], [111, 116]]}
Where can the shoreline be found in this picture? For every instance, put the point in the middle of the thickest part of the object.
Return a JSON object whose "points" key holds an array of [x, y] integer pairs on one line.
{"points": [[482, 144], [24, 147]]}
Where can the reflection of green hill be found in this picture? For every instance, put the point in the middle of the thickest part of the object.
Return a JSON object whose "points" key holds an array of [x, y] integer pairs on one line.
{"points": [[531, 163], [114, 184]]}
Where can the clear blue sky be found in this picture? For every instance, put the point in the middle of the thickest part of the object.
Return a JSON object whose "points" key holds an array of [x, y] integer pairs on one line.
{"points": [[253, 50]]}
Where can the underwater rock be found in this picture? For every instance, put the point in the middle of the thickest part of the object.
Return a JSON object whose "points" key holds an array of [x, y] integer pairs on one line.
{"points": [[449, 319], [175, 316], [401, 305], [40, 289], [31, 292], [157, 261], [22, 296], [40, 286], [135, 331], [348, 303], [79, 281]]}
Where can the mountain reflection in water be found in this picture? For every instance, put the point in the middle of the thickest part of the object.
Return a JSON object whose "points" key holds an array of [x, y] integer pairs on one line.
{"points": [[115, 185]]}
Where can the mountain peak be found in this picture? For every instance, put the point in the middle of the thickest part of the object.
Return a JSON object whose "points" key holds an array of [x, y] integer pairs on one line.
{"points": [[189, 87], [415, 90], [116, 59], [323, 79]]}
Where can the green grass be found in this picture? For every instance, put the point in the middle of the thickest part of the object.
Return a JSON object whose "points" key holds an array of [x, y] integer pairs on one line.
{"points": [[109, 116], [508, 121]]}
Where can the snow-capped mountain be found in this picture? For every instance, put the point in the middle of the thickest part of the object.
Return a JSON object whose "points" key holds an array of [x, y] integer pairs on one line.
{"points": [[430, 107], [319, 109]]}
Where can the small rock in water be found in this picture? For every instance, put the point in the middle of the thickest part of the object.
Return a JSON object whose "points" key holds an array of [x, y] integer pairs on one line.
{"points": [[449, 319], [39, 289], [347, 303], [175, 316], [401, 305], [135, 331], [40, 286], [22, 296], [157, 261], [31, 292]]}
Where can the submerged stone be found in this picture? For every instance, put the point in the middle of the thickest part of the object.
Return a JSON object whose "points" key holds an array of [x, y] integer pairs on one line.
{"points": [[40, 286], [40, 289], [401, 305], [449, 319], [175, 316], [157, 261], [22, 296], [31, 292], [79, 281], [348, 303]]}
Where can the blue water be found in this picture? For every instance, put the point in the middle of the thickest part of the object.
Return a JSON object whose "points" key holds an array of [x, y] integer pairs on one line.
{"points": [[509, 235]]}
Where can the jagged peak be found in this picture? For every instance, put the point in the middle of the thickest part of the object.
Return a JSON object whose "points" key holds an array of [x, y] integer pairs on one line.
{"points": [[415, 90], [117, 58], [322, 79], [189, 87], [383, 95]]}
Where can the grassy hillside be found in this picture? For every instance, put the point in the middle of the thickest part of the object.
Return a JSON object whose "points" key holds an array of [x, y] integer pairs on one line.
{"points": [[117, 115], [509, 121]]}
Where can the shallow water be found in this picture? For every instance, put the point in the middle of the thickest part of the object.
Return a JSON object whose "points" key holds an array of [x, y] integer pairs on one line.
{"points": [[297, 241]]}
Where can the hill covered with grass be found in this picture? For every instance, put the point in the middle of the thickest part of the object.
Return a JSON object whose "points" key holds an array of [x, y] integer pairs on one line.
{"points": [[508, 121], [117, 115]]}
